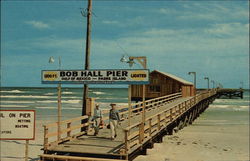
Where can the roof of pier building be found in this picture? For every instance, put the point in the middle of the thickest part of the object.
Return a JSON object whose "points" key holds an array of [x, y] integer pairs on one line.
{"points": [[178, 79]]}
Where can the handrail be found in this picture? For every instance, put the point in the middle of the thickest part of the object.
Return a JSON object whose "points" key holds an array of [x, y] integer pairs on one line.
{"points": [[137, 107], [69, 130], [159, 120], [159, 101], [50, 131]]}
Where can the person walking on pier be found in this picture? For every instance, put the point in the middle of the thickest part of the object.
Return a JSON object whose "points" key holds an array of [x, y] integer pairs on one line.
{"points": [[114, 119], [97, 118]]}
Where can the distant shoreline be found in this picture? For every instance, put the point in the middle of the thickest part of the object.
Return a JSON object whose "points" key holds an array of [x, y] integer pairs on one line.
{"points": [[95, 88], [66, 87]]}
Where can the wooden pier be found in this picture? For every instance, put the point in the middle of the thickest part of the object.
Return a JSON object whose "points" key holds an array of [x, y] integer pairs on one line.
{"points": [[163, 115], [230, 93]]}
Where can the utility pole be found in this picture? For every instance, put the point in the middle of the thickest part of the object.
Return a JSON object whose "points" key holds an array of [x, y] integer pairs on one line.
{"points": [[87, 56]]}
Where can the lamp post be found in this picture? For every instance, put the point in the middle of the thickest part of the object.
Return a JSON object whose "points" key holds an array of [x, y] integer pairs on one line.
{"points": [[59, 102], [207, 78], [212, 81], [143, 61], [194, 73]]}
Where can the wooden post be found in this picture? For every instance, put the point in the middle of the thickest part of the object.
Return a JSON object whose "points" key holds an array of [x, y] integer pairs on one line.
{"points": [[87, 57], [45, 140], [165, 118], [129, 105], [59, 111], [159, 121], [141, 135], [143, 110], [126, 142], [171, 115], [68, 127], [150, 127], [27, 150], [143, 61]]}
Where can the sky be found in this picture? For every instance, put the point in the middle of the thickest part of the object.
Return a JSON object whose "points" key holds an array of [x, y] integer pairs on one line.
{"points": [[208, 37]]}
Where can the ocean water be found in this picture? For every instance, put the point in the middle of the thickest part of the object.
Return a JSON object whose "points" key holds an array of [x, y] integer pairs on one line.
{"points": [[227, 112], [44, 101]]}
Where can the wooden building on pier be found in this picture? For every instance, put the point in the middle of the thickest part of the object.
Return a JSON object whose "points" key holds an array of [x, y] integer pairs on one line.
{"points": [[162, 84]]}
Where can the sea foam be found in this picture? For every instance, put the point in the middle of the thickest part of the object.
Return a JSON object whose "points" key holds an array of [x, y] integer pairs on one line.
{"points": [[26, 96], [12, 91], [99, 93]]}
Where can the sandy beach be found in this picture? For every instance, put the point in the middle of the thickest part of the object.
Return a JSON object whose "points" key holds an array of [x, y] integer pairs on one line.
{"points": [[14, 150], [204, 140]]}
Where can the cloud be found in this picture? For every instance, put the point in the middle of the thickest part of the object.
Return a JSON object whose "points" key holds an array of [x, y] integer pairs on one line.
{"points": [[110, 22], [38, 24], [200, 16], [214, 11], [166, 11], [228, 29]]}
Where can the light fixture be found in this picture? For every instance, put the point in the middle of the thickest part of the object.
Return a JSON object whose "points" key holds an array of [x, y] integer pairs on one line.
{"points": [[51, 59], [125, 60], [131, 62]]}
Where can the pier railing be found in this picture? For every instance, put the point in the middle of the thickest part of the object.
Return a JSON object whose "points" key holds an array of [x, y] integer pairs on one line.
{"points": [[136, 108], [137, 134], [69, 129], [134, 134]]}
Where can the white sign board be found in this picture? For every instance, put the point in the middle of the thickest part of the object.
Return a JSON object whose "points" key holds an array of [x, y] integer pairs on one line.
{"points": [[17, 124], [112, 76]]}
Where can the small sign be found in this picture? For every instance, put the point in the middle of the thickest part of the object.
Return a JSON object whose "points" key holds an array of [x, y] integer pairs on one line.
{"points": [[17, 124], [114, 76]]}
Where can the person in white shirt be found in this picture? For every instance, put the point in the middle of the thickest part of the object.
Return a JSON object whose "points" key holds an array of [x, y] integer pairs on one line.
{"points": [[97, 118]]}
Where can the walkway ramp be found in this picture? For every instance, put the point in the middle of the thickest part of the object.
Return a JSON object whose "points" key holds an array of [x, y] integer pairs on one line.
{"points": [[160, 114]]}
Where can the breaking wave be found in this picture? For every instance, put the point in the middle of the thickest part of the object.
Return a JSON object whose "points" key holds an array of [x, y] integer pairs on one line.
{"points": [[15, 102], [49, 94], [230, 107], [230, 101], [46, 108], [27, 96], [67, 92], [13, 91], [99, 93], [13, 106], [71, 101]]}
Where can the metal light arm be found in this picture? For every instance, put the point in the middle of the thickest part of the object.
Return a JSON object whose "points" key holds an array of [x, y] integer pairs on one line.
{"points": [[207, 81], [194, 73], [141, 59]]}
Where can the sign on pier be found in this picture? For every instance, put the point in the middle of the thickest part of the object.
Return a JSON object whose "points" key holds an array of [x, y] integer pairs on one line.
{"points": [[17, 125], [114, 76]]}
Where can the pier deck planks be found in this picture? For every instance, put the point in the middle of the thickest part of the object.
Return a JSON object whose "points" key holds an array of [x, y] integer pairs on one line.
{"points": [[102, 144]]}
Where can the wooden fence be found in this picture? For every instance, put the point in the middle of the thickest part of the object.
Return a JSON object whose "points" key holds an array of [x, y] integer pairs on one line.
{"points": [[134, 134], [136, 108], [137, 134], [69, 129]]}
